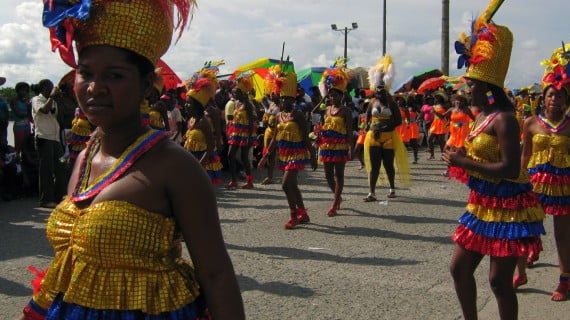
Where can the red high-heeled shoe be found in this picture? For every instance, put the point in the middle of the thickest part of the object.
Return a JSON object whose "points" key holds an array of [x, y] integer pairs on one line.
{"points": [[332, 211], [302, 215]]}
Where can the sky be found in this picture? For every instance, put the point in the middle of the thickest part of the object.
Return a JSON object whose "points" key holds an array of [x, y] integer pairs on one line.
{"points": [[241, 31]]}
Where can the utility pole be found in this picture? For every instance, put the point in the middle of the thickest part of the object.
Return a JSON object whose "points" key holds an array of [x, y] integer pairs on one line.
{"points": [[445, 37], [345, 30], [384, 31]]}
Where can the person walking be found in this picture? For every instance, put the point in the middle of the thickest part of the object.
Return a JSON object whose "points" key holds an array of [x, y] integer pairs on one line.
{"points": [[497, 223]]}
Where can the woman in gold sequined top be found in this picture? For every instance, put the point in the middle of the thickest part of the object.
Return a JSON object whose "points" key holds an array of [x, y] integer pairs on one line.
{"points": [[117, 234]]}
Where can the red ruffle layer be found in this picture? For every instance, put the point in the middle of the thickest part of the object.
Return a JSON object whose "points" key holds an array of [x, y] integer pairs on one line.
{"points": [[458, 173], [556, 209], [216, 181], [549, 178], [518, 202], [335, 159], [332, 140], [291, 151], [495, 247], [292, 166]]}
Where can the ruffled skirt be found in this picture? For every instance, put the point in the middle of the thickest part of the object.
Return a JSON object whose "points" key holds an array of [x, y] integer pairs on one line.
{"points": [[502, 219], [552, 185]]}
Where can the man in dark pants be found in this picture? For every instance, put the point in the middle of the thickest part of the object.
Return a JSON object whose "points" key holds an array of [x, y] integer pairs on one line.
{"points": [[50, 150]]}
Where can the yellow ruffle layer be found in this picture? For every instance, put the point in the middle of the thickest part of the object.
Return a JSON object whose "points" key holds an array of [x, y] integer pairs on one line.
{"points": [[552, 190], [532, 214], [195, 141], [334, 146], [292, 157]]}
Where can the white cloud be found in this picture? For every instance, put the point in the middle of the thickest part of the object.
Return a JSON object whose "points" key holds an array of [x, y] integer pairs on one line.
{"points": [[241, 31]]}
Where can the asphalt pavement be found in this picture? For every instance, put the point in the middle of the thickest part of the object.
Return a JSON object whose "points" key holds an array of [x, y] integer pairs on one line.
{"points": [[379, 260]]}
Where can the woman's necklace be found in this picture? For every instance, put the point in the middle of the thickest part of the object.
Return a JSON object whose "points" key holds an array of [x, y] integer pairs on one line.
{"points": [[84, 191], [335, 112], [553, 127], [285, 116], [476, 131]]}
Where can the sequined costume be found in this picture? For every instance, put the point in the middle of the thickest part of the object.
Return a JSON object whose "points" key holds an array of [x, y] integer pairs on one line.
{"points": [[114, 255], [458, 129], [362, 129], [439, 124], [549, 167], [414, 128], [292, 151], [334, 139], [240, 129], [388, 140], [503, 216], [195, 142], [156, 120], [403, 129], [270, 120]]}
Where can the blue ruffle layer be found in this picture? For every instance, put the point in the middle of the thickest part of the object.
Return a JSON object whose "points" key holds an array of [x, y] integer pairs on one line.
{"points": [[290, 145], [547, 167], [551, 200], [60, 310], [504, 188], [333, 153], [333, 134], [501, 230], [241, 126]]}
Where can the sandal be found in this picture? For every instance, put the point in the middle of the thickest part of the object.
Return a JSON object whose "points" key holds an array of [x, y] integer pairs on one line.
{"points": [[519, 280], [561, 292], [369, 198], [332, 211], [267, 181], [532, 258], [391, 194]]}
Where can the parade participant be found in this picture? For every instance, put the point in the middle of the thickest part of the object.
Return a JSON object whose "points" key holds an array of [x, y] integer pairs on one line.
{"points": [[438, 127], [426, 115], [335, 147], [117, 234], [414, 128], [359, 144], [241, 130], [290, 143], [158, 111], [199, 138], [403, 128], [503, 216], [22, 111], [546, 152], [383, 144], [459, 125], [272, 88]]}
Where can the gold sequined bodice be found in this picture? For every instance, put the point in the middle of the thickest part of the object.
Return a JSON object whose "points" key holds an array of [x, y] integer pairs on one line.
{"points": [[556, 143], [116, 255], [484, 148]]}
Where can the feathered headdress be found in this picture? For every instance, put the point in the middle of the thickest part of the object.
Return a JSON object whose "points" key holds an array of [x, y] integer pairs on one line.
{"points": [[278, 81], [336, 77], [244, 82], [203, 84], [557, 72], [486, 52], [382, 74], [142, 26]]}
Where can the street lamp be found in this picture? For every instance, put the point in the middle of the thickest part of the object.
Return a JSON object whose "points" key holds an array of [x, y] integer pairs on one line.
{"points": [[345, 30]]}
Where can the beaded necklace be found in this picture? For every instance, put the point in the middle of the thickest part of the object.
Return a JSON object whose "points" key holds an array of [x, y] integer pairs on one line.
{"points": [[553, 127], [84, 191], [285, 116], [476, 131], [336, 111]]}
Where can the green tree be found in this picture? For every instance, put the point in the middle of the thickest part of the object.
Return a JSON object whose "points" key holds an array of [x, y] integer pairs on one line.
{"points": [[8, 93]]}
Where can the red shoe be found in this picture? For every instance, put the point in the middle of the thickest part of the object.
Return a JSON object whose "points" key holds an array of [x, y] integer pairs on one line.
{"points": [[332, 211], [232, 184], [532, 258], [248, 183], [302, 216], [519, 280], [292, 223], [561, 292]]}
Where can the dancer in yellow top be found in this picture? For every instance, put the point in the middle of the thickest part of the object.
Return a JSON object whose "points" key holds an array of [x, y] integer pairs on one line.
{"points": [[291, 144], [117, 234], [503, 217], [335, 147]]}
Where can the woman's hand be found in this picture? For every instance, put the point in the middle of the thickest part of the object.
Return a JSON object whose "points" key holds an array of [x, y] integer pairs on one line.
{"points": [[454, 156]]}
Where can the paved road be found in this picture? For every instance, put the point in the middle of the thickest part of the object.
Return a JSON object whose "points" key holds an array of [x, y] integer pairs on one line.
{"points": [[379, 260]]}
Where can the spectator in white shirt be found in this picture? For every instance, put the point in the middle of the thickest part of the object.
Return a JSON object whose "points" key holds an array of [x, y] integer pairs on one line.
{"points": [[50, 151]]}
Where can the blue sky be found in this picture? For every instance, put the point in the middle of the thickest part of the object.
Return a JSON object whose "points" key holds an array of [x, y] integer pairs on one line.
{"points": [[240, 31]]}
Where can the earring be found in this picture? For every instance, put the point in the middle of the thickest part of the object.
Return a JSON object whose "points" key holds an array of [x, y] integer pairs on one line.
{"points": [[490, 97]]}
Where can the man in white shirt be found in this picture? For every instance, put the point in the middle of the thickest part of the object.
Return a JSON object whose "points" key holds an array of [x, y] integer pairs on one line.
{"points": [[48, 144]]}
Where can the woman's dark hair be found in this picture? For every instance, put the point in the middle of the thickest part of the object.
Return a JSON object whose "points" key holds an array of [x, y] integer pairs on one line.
{"points": [[439, 99], [195, 109], [460, 98], [22, 85], [501, 100]]}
